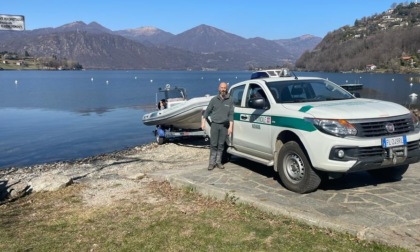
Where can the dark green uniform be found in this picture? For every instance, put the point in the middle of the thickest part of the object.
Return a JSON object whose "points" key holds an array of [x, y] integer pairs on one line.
{"points": [[221, 113]]}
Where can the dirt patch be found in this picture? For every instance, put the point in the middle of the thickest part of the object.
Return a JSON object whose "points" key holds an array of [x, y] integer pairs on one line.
{"points": [[119, 176]]}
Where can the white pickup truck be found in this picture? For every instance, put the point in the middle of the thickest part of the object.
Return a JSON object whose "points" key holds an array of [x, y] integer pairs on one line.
{"points": [[311, 129]]}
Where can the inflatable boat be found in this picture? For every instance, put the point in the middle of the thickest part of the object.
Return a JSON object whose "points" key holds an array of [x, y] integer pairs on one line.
{"points": [[175, 111]]}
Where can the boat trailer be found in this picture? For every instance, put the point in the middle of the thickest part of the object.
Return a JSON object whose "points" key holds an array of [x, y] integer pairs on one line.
{"points": [[164, 134]]}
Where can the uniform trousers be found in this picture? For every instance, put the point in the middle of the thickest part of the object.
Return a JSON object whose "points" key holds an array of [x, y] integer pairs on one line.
{"points": [[218, 134]]}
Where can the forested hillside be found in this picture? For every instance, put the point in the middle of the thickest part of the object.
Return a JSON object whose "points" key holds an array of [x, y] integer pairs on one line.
{"points": [[389, 41], [93, 46]]}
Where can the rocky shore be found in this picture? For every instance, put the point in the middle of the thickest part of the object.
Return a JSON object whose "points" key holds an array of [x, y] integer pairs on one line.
{"points": [[99, 174], [102, 172]]}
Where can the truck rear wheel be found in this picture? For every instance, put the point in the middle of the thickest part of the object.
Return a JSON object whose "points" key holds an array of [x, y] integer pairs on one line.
{"points": [[390, 173], [295, 170]]}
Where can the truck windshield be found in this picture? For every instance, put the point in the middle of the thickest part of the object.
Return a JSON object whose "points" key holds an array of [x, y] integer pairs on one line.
{"points": [[307, 91]]}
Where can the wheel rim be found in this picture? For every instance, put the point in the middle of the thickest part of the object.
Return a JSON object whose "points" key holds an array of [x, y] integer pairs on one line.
{"points": [[294, 168]]}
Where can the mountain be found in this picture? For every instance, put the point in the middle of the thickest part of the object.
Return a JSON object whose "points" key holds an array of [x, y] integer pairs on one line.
{"points": [[205, 39], [79, 26], [92, 27], [297, 46], [146, 34], [95, 46], [389, 41], [101, 51], [253, 52]]}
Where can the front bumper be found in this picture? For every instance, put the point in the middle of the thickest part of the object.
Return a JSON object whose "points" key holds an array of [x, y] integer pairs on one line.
{"points": [[375, 157]]}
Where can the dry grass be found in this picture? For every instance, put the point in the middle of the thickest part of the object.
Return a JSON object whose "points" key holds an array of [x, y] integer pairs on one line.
{"points": [[161, 218]]}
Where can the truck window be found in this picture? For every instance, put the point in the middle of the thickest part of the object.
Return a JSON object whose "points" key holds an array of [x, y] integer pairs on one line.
{"points": [[306, 90], [237, 94], [254, 91]]}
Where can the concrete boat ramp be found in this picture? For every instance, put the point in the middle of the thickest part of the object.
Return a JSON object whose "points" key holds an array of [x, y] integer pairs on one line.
{"points": [[387, 212]]}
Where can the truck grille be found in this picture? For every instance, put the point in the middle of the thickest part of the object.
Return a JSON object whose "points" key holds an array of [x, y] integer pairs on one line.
{"points": [[378, 151], [402, 125]]}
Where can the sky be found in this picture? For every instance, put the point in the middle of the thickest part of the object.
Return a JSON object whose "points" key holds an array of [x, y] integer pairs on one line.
{"points": [[269, 19]]}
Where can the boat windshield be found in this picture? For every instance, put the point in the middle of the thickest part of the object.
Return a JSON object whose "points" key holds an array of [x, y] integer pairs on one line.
{"points": [[307, 91], [174, 93]]}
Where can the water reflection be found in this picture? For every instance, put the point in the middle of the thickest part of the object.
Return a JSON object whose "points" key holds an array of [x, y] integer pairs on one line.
{"points": [[97, 111], [413, 79], [61, 115], [370, 93], [412, 101]]}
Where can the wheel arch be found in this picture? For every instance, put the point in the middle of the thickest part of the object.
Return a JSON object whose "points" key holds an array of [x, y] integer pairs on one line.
{"points": [[284, 137]]}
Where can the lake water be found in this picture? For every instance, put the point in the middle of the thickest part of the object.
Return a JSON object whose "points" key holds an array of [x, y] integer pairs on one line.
{"points": [[48, 116]]}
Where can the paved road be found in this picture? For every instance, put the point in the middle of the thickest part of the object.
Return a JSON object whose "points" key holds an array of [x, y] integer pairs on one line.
{"points": [[357, 204]]}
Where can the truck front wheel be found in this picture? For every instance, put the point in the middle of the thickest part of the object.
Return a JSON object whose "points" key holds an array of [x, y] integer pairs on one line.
{"points": [[295, 170]]}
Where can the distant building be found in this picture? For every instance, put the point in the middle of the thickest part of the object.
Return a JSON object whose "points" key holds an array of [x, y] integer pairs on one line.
{"points": [[408, 60], [370, 67]]}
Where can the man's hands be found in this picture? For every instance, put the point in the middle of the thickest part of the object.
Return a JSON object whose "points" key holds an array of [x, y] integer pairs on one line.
{"points": [[230, 129], [203, 124]]}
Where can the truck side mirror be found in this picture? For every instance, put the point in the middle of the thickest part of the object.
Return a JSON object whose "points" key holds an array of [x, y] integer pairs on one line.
{"points": [[257, 103], [356, 94]]}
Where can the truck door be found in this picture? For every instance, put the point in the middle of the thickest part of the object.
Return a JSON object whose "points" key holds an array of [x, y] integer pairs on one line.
{"points": [[252, 127]]}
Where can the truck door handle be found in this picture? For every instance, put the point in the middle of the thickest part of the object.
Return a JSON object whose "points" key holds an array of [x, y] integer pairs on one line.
{"points": [[244, 117]]}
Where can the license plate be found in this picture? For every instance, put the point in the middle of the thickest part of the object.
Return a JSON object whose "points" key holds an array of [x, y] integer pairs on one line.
{"points": [[394, 141]]}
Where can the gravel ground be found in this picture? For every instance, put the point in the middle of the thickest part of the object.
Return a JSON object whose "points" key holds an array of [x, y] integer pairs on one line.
{"points": [[118, 176]]}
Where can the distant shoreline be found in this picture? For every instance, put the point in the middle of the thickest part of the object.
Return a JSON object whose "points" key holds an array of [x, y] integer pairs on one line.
{"points": [[378, 71]]}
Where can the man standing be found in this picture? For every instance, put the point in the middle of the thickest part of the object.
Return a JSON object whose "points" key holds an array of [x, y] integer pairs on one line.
{"points": [[220, 109]]}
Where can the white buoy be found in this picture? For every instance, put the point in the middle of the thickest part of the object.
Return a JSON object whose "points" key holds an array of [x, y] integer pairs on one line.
{"points": [[91, 79], [219, 79], [411, 84], [16, 82], [413, 98], [151, 81], [135, 78], [392, 79], [107, 82]]}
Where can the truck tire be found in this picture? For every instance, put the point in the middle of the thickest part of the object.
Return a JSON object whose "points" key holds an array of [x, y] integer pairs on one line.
{"points": [[390, 173], [295, 170]]}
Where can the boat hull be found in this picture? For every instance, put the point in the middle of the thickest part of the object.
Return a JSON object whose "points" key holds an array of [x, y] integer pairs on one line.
{"points": [[186, 115]]}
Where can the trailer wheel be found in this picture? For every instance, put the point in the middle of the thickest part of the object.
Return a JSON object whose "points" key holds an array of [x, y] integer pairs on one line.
{"points": [[160, 140]]}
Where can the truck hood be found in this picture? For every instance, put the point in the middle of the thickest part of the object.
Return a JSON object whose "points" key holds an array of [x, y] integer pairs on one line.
{"points": [[349, 109]]}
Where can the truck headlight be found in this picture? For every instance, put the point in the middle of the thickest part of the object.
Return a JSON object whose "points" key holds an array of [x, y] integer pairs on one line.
{"points": [[335, 127]]}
